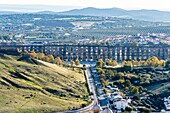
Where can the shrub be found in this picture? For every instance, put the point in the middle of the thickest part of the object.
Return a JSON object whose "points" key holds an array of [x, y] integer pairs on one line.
{"points": [[83, 105], [128, 108], [91, 93], [144, 110], [136, 98]]}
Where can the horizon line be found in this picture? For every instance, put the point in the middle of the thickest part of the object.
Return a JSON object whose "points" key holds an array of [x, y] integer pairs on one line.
{"points": [[72, 8]]}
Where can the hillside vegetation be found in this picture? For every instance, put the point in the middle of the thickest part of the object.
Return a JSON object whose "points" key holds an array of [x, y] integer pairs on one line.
{"points": [[28, 87]]}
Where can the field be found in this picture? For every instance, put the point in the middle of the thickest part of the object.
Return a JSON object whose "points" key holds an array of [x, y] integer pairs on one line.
{"points": [[43, 87], [102, 33]]}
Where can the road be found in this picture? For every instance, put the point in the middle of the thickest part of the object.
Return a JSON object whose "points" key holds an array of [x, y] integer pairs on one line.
{"points": [[92, 80], [95, 87], [91, 84], [101, 96]]}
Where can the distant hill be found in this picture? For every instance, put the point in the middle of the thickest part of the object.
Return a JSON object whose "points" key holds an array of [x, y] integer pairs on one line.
{"points": [[45, 12], [8, 12], [96, 12], [147, 15]]}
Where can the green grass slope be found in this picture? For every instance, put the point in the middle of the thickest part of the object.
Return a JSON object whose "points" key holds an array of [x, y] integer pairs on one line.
{"points": [[26, 87]]}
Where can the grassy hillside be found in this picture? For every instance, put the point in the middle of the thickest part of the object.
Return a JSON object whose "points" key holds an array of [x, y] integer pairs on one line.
{"points": [[27, 87]]}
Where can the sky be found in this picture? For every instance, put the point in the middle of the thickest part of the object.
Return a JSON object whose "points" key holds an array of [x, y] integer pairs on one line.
{"points": [[125, 4]]}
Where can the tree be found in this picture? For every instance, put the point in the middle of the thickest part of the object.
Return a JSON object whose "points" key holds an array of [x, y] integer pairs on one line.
{"points": [[58, 61], [127, 83], [127, 66], [123, 63], [100, 63], [51, 58], [40, 56], [110, 72], [46, 58], [114, 63], [144, 110], [84, 67], [144, 79], [120, 74], [152, 62], [135, 90], [18, 50], [134, 43], [100, 71], [140, 88], [108, 62], [77, 62], [33, 54], [104, 82], [25, 51], [167, 64], [142, 62], [72, 63], [121, 81], [128, 109], [135, 63], [161, 63]]}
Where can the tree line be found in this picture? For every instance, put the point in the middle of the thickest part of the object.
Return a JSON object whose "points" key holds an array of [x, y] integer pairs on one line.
{"points": [[151, 62], [51, 58], [42, 56]]}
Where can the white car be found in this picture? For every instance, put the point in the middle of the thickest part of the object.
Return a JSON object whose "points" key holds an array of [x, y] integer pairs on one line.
{"points": [[112, 88]]}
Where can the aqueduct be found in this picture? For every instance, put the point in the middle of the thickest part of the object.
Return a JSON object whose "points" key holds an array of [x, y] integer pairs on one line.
{"points": [[92, 53]]}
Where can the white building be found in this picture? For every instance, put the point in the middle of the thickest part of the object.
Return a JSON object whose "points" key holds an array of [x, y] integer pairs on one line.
{"points": [[167, 103], [67, 35], [107, 110], [120, 104], [117, 101]]}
